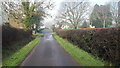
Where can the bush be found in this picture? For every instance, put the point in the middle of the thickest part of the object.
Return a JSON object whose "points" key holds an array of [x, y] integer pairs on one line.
{"points": [[10, 34], [101, 42]]}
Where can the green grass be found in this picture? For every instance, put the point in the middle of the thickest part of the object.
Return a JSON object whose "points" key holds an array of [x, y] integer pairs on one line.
{"points": [[82, 57], [38, 34], [15, 46], [19, 56]]}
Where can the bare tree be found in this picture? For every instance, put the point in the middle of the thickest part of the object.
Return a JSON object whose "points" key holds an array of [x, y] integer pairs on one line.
{"points": [[12, 10], [74, 12], [105, 14], [114, 12], [119, 13], [24, 11], [101, 16]]}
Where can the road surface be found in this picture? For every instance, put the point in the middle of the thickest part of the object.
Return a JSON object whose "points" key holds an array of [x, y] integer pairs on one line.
{"points": [[49, 53]]}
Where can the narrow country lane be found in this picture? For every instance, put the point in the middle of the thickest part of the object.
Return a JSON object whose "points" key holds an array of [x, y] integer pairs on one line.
{"points": [[49, 53]]}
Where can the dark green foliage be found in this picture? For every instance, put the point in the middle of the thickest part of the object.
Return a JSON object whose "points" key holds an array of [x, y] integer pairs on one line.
{"points": [[101, 42], [26, 7], [97, 23], [13, 40], [35, 19], [10, 34], [13, 47], [32, 16]]}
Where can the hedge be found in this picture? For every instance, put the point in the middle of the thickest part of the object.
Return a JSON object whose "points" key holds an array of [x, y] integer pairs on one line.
{"points": [[101, 42], [11, 34]]}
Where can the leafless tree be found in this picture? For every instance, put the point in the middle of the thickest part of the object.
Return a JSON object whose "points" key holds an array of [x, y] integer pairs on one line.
{"points": [[74, 12], [114, 11], [12, 10], [119, 12], [105, 14]]}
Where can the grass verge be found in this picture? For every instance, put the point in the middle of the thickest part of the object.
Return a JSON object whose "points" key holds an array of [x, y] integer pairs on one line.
{"points": [[82, 57], [18, 57], [39, 34], [15, 46]]}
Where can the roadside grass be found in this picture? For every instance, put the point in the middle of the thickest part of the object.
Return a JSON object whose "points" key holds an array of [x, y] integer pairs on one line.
{"points": [[39, 34], [19, 56], [7, 51], [82, 57]]}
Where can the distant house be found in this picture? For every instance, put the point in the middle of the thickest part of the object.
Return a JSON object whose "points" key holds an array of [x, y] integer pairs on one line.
{"points": [[62, 25], [41, 26], [65, 27], [91, 26], [56, 25]]}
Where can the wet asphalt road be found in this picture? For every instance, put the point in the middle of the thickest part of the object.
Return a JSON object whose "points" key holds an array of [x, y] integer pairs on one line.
{"points": [[49, 53]]}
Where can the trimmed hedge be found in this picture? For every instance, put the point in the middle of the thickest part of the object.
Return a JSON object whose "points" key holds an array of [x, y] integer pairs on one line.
{"points": [[10, 34], [101, 42]]}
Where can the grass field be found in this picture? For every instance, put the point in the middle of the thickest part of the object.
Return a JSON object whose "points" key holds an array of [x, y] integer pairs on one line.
{"points": [[19, 56], [82, 57]]}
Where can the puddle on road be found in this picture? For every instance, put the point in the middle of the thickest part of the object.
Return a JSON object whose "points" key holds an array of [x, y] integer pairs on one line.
{"points": [[48, 37]]}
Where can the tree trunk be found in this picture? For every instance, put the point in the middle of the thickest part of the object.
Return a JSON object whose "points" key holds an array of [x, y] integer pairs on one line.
{"points": [[117, 23], [75, 27], [104, 24]]}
